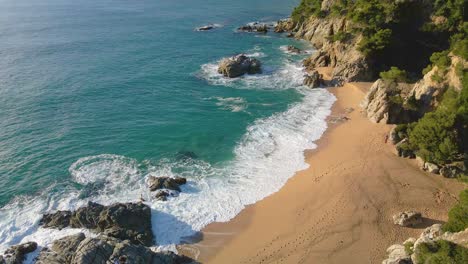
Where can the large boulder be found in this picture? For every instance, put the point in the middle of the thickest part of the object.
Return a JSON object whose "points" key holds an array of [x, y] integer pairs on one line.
{"points": [[409, 218], [313, 79], [239, 65], [156, 183], [130, 221], [453, 170], [431, 168], [17, 254]]}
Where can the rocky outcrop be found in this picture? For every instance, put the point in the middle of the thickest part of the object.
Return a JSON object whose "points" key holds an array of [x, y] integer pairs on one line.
{"points": [[313, 79], [406, 219], [79, 249], [17, 254], [130, 221], [285, 25], [255, 27], [348, 62], [156, 183], [383, 104], [239, 65]]}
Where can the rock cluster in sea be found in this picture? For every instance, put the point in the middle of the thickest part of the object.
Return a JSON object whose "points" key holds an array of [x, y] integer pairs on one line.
{"points": [[239, 65], [123, 235]]}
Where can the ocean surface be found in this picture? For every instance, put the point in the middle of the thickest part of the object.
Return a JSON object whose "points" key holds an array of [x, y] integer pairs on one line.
{"points": [[95, 96]]}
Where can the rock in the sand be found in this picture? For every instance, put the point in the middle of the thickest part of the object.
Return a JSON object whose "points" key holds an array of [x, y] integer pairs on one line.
{"points": [[403, 149], [453, 170], [17, 254], [156, 183], [397, 255], [130, 221], [239, 65], [431, 167], [294, 50], [313, 79], [409, 218]]}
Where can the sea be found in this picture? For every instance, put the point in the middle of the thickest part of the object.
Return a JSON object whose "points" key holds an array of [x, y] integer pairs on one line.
{"points": [[96, 96]]}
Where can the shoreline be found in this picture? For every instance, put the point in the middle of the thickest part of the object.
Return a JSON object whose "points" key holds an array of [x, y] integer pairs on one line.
{"points": [[362, 180]]}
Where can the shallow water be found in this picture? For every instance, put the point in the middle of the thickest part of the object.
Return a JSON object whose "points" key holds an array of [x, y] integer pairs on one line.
{"points": [[97, 95]]}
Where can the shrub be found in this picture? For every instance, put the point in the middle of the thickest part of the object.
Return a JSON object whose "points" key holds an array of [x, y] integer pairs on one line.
{"points": [[441, 252], [394, 75], [458, 215], [340, 36], [306, 9], [376, 42]]}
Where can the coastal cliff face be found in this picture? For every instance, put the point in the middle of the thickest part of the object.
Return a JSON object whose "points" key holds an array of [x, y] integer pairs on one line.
{"points": [[335, 47]]}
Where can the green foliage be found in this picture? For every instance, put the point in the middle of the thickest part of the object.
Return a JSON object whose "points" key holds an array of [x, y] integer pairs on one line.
{"points": [[441, 59], [371, 13], [394, 75], [434, 137], [441, 252], [458, 215], [408, 248], [306, 9], [376, 42]]}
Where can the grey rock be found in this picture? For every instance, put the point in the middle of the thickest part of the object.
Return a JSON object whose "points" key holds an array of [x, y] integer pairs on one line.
{"points": [[453, 170], [96, 250], [254, 27], [406, 219], [59, 220], [294, 50], [61, 251], [239, 65]]}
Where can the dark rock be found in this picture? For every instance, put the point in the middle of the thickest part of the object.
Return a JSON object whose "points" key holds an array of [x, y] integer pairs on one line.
{"points": [[168, 257], [290, 35], [59, 220], [130, 221], [409, 218], [453, 170], [403, 149], [313, 79], [87, 217], [254, 27], [205, 28], [161, 195], [293, 49], [239, 65], [94, 250], [17, 254], [156, 183]]}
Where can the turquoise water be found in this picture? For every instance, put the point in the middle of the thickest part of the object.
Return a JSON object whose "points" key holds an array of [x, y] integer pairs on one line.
{"points": [[97, 95]]}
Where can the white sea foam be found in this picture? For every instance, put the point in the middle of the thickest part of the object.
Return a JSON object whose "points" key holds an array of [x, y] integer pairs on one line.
{"points": [[268, 154], [233, 104]]}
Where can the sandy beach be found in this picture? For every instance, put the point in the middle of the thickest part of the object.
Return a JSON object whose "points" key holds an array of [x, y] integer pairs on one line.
{"points": [[340, 209]]}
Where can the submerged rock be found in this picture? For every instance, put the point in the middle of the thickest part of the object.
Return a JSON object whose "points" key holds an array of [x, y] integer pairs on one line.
{"points": [[409, 218], [205, 28], [294, 50], [156, 183], [239, 65], [17, 254], [130, 221]]}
